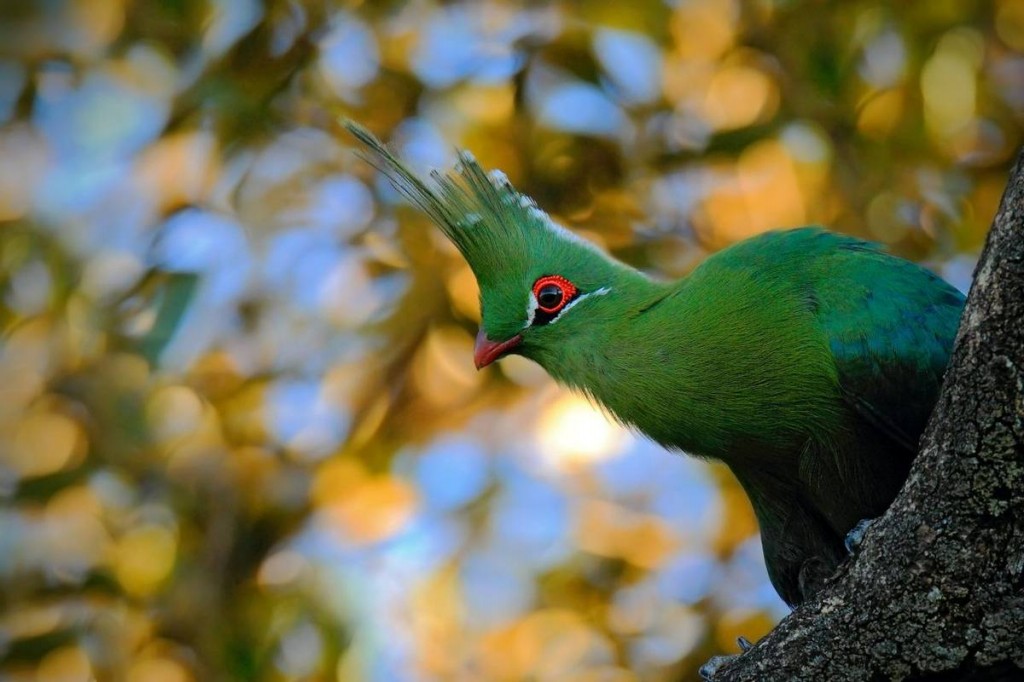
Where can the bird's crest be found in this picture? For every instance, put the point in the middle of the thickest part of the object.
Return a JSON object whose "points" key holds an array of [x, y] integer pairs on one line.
{"points": [[481, 213]]}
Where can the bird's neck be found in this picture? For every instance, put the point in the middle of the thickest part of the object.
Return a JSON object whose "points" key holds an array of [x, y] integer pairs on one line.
{"points": [[645, 361], [678, 362]]}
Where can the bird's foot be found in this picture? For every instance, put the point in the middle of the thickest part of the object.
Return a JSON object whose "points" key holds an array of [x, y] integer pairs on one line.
{"points": [[856, 536], [709, 669]]}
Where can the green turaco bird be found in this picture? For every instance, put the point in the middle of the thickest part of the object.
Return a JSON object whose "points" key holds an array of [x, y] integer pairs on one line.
{"points": [[806, 361]]}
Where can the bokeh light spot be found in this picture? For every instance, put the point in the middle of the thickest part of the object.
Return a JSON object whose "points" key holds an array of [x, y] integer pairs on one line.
{"points": [[44, 443], [144, 558], [66, 664], [573, 431], [158, 670]]}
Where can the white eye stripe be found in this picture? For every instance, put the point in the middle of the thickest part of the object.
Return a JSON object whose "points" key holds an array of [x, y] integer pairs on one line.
{"points": [[532, 305], [599, 292]]}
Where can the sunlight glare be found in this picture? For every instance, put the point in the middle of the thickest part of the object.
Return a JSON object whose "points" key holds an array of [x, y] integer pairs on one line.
{"points": [[574, 432]]}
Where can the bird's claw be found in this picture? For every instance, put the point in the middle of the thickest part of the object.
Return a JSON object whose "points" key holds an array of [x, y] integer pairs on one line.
{"points": [[710, 669], [856, 536]]}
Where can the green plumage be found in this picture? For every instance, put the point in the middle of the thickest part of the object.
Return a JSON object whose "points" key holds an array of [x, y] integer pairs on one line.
{"points": [[807, 361]]}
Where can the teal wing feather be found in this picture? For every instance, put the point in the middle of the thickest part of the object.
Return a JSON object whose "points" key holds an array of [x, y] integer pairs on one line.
{"points": [[890, 325]]}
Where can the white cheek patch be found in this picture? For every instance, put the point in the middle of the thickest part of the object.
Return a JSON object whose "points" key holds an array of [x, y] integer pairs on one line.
{"points": [[599, 292], [531, 310]]}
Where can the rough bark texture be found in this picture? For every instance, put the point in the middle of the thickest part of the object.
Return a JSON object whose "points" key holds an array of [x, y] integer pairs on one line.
{"points": [[936, 590]]}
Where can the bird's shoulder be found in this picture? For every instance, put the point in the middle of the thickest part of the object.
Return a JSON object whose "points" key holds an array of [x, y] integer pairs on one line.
{"points": [[891, 324], [888, 322], [792, 248]]}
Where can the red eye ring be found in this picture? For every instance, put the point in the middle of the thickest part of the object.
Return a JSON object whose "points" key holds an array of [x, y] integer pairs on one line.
{"points": [[567, 288]]}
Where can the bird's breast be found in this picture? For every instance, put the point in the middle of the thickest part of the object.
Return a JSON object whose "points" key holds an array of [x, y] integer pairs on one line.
{"points": [[744, 388]]}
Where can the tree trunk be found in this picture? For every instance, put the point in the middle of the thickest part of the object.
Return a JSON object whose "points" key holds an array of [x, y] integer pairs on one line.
{"points": [[936, 590]]}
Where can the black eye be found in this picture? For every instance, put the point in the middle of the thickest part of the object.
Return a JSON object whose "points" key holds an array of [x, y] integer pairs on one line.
{"points": [[550, 296]]}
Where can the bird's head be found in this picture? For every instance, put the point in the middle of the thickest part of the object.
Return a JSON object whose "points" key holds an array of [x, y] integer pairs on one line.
{"points": [[542, 288]]}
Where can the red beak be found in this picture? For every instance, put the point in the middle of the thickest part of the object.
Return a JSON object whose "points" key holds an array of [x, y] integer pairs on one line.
{"points": [[487, 351]]}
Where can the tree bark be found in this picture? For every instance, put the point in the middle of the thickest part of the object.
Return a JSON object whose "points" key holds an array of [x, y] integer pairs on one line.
{"points": [[936, 591]]}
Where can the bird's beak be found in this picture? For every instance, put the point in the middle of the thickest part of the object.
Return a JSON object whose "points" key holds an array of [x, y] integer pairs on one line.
{"points": [[486, 351]]}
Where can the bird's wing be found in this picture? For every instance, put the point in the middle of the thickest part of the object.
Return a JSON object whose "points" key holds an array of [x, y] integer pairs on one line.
{"points": [[890, 325]]}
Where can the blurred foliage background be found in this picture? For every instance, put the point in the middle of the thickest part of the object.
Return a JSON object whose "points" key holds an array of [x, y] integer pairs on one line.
{"points": [[241, 436]]}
